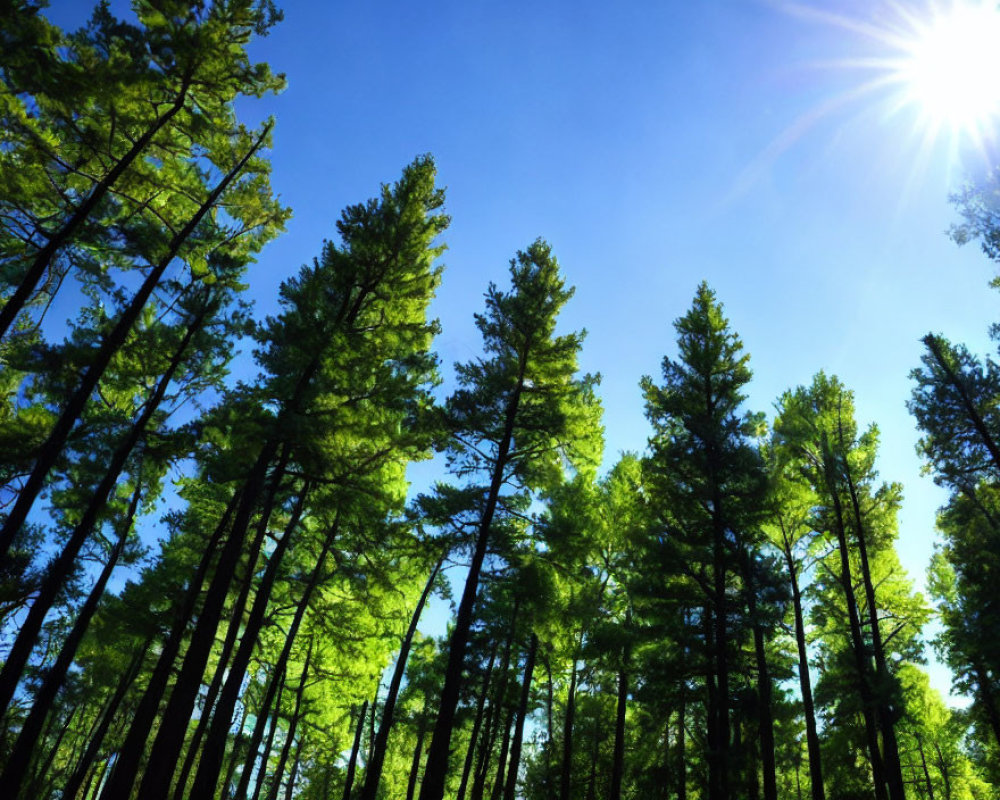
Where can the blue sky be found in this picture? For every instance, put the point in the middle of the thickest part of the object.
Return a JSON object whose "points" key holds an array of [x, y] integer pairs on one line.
{"points": [[654, 144]]}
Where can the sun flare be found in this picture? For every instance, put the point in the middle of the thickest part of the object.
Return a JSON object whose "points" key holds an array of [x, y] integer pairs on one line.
{"points": [[950, 68]]}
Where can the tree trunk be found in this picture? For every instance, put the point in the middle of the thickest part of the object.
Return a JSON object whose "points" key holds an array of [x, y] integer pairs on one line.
{"points": [[436, 771], [45, 256], [886, 713], [682, 748], [355, 749], [373, 770], [522, 713], [61, 568], [498, 782], [411, 784], [858, 645], [943, 769], [27, 740], [75, 782], [720, 766], [292, 726], [213, 751], [927, 773], [805, 683], [286, 649], [294, 774], [495, 714], [470, 754], [57, 439], [618, 758], [566, 773], [764, 690], [253, 746]]}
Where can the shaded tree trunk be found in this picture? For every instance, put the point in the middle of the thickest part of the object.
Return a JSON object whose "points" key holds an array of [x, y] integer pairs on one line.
{"points": [[764, 689], [411, 783], [618, 757], [292, 727], [352, 764], [522, 713], [373, 770], [470, 754], [264, 713]]}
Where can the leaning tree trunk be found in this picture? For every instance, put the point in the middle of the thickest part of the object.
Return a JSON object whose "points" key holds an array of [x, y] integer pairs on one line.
{"points": [[264, 713], [112, 343], [436, 771], [46, 255], [566, 772], [764, 690], [62, 567], [27, 740], [373, 770], [352, 764], [477, 725], [213, 751], [522, 713], [805, 683], [618, 757], [292, 727]]}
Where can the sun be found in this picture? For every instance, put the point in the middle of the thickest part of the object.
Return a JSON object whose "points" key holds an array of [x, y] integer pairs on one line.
{"points": [[948, 68]]}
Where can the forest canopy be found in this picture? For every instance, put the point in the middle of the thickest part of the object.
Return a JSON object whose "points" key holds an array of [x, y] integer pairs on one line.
{"points": [[215, 583]]}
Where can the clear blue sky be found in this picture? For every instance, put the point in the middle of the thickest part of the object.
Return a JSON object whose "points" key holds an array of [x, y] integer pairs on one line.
{"points": [[654, 144]]}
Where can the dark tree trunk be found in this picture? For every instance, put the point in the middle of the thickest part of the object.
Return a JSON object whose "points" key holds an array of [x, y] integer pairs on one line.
{"points": [[805, 683], [522, 713], [113, 342], [927, 773], [618, 757], [373, 770], [470, 754], [213, 751], [292, 727], [27, 741], [592, 779], [73, 785], [682, 748], [264, 713], [411, 784], [232, 632], [45, 256], [712, 706], [886, 713], [352, 764], [987, 698], [436, 771], [566, 773], [498, 782], [764, 690], [943, 769], [858, 645], [294, 774], [61, 567]]}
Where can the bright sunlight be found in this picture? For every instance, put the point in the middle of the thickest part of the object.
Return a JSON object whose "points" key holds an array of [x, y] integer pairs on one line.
{"points": [[950, 69]]}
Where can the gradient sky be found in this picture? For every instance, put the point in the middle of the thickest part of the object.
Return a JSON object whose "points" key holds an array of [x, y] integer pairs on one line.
{"points": [[654, 144]]}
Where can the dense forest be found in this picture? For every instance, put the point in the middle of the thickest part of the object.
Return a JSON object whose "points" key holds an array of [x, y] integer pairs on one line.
{"points": [[213, 587]]}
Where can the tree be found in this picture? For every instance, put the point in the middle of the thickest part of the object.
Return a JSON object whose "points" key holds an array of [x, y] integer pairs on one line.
{"points": [[517, 415]]}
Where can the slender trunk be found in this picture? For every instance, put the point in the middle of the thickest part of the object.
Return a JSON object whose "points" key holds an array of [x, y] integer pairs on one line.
{"points": [[861, 663], [46, 255], [44, 768], [682, 748], [498, 782], [522, 713], [712, 713], [470, 753], [943, 769], [805, 682], [495, 715], [352, 764], [61, 568], [886, 713], [618, 758], [73, 785], [292, 727], [720, 766], [764, 690], [232, 632], [234, 760], [264, 713], [113, 342], [294, 773], [373, 770], [411, 784], [27, 741], [927, 772], [566, 773], [286, 649], [213, 750], [592, 779], [436, 771]]}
